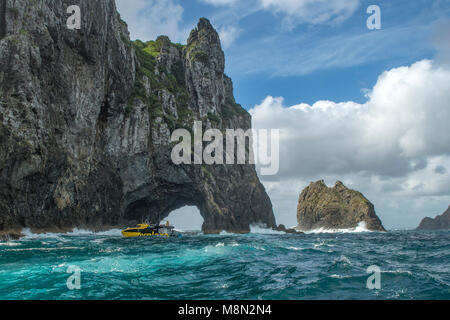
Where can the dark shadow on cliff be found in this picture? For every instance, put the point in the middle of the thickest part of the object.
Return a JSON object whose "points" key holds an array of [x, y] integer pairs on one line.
{"points": [[87, 117]]}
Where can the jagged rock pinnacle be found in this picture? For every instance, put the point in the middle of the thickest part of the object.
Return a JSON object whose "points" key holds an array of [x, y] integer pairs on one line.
{"points": [[204, 23], [204, 32]]}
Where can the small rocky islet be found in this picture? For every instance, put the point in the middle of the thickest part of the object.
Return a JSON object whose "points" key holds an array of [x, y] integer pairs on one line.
{"points": [[338, 207]]}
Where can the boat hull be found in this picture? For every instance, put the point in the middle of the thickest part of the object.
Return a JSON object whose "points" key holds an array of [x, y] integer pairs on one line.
{"points": [[138, 234]]}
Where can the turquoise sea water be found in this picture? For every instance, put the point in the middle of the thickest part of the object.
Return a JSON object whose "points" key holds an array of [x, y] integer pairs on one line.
{"points": [[414, 265]]}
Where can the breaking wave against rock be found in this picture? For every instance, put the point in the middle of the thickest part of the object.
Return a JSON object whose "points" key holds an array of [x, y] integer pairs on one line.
{"points": [[360, 228], [28, 234]]}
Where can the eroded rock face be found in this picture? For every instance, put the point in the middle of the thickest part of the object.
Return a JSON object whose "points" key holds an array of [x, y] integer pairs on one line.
{"points": [[441, 222], [334, 208], [86, 117]]}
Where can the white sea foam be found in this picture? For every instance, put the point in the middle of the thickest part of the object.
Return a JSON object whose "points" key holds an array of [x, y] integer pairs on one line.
{"points": [[296, 248], [259, 248], [343, 259], [258, 229], [31, 236], [219, 248], [398, 271], [360, 228], [45, 249], [9, 244], [224, 233], [338, 276], [28, 234]]}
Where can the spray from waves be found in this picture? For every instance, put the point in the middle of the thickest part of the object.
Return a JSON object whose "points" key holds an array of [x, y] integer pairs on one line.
{"points": [[258, 229], [255, 229], [9, 244], [29, 235], [360, 228]]}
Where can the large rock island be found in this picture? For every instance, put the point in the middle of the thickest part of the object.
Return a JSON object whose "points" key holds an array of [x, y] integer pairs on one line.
{"points": [[86, 118], [334, 208], [441, 222]]}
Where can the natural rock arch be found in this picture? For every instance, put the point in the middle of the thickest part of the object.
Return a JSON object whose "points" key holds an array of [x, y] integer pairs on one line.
{"points": [[187, 218], [86, 121]]}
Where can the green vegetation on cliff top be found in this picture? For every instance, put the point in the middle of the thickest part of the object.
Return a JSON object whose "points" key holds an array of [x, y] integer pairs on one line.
{"points": [[150, 82]]}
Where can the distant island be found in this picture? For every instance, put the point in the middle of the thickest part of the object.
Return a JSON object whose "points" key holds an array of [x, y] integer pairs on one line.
{"points": [[335, 208], [441, 222]]}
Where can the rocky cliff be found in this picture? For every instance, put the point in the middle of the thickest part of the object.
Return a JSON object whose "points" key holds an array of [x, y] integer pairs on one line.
{"points": [[86, 118], [441, 222], [334, 208]]}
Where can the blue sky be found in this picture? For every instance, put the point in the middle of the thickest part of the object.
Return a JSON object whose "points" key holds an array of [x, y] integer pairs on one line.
{"points": [[383, 90], [307, 61]]}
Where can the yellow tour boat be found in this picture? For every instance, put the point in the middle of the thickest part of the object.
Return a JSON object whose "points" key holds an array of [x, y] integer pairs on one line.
{"points": [[147, 230]]}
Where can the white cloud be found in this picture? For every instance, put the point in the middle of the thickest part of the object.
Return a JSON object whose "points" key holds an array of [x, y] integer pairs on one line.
{"points": [[218, 3], [299, 11], [312, 11], [148, 19], [404, 122], [228, 35], [395, 148], [284, 55]]}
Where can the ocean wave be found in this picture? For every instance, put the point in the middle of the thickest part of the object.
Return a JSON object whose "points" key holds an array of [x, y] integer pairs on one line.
{"points": [[234, 244], [247, 266], [257, 229], [342, 260], [224, 233], [259, 248], [360, 228], [219, 248], [296, 248], [45, 249], [398, 271], [338, 276], [9, 244], [28, 234]]}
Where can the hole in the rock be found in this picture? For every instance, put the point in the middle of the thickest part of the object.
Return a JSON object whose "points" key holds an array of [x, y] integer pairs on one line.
{"points": [[187, 218]]}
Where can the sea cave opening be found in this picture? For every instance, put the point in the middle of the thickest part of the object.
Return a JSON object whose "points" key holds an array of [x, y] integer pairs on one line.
{"points": [[187, 218]]}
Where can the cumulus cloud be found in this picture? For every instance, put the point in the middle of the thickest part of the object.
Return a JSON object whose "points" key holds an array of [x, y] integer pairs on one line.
{"points": [[148, 19], [395, 148], [404, 122]]}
